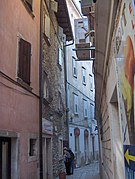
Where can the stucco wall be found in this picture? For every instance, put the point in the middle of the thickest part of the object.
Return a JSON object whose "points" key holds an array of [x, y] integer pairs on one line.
{"points": [[19, 108]]}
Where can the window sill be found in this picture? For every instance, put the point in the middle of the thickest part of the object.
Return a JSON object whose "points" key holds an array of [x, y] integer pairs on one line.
{"points": [[28, 9], [23, 84]]}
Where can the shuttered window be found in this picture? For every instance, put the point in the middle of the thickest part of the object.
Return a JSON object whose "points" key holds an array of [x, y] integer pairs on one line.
{"points": [[24, 61]]}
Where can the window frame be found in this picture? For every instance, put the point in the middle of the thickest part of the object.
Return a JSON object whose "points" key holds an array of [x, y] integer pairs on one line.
{"points": [[32, 149], [46, 28], [75, 98], [85, 108], [60, 58], [34, 157], [60, 103], [74, 67], [84, 76], [91, 82], [22, 76]]}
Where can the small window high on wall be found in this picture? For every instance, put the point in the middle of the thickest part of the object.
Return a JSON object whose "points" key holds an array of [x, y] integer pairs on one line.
{"points": [[74, 67], [46, 26], [83, 75], [75, 103], [60, 58], [91, 82], [85, 107], [46, 86]]}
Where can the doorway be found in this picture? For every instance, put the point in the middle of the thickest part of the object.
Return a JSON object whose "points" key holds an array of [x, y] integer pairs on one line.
{"points": [[5, 158], [86, 149], [93, 147], [77, 150], [47, 158]]}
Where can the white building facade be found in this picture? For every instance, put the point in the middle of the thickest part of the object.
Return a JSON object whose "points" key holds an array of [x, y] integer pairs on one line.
{"points": [[80, 101]]}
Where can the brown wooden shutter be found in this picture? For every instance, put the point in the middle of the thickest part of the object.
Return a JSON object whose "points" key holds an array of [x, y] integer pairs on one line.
{"points": [[20, 70], [24, 60]]}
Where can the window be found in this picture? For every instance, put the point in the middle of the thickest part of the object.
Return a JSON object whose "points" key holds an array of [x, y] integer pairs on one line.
{"points": [[85, 108], [47, 92], [75, 104], [92, 110], [46, 29], [91, 82], [74, 64], [45, 87], [24, 61], [83, 75], [32, 147], [60, 146], [61, 36], [60, 57]]}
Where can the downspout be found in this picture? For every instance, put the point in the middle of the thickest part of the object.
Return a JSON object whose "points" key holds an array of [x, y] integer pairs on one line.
{"points": [[65, 71], [99, 148], [40, 96]]}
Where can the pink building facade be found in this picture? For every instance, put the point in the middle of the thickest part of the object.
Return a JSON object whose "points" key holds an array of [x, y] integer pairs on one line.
{"points": [[19, 88]]}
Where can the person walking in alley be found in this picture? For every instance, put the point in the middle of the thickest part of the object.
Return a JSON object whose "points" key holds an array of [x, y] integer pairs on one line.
{"points": [[67, 160], [72, 156]]}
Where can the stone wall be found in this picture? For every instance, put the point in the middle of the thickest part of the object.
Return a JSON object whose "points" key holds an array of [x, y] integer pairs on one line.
{"points": [[56, 83], [106, 140]]}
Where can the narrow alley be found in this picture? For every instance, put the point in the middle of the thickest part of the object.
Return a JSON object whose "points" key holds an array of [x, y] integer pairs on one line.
{"points": [[90, 171], [67, 89]]}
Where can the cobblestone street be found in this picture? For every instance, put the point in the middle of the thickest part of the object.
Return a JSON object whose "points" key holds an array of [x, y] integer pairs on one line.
{"points": [[87, 172]]}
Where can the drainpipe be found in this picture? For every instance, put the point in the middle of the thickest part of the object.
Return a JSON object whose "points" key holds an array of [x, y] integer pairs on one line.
{"points": [[65, 70], [40, 96]]}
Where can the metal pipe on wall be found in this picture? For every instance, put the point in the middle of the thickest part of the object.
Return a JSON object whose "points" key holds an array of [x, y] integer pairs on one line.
{"points": [[40, 95]]}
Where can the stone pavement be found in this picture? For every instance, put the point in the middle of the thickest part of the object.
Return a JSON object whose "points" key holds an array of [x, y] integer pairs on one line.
{"points": [[90, 171]]}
